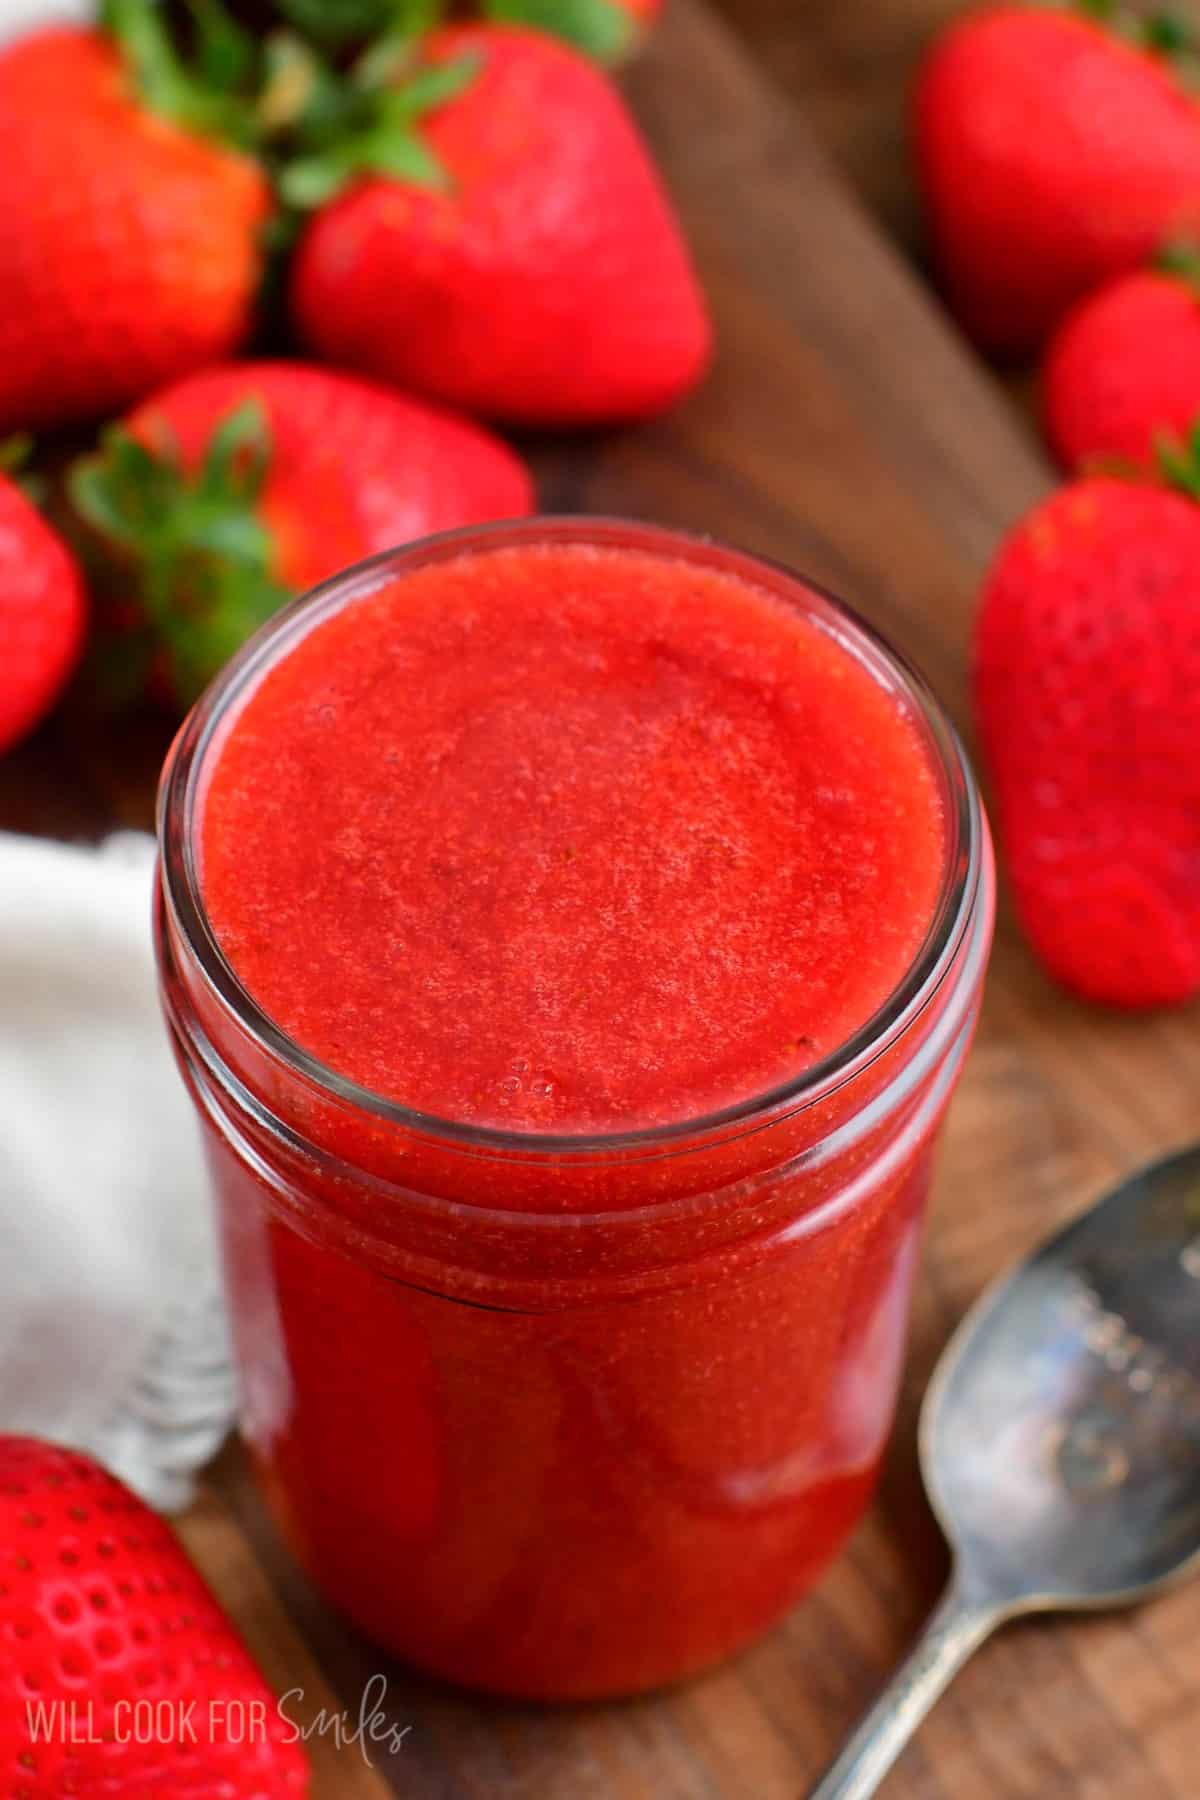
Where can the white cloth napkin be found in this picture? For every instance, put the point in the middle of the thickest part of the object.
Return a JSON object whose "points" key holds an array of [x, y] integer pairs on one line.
{"points": [[20, 16], [112, 1332]]}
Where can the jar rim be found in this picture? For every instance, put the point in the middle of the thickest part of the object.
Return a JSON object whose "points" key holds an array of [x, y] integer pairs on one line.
{"points": [[179, 794]]}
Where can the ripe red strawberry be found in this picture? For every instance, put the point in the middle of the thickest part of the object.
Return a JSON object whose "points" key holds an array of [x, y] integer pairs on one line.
{"points": [[1087, 685], [235, 489], [42, 614], [109, 1632], [545, 281], [129, 247], [1123, 371], [1053, 154]]}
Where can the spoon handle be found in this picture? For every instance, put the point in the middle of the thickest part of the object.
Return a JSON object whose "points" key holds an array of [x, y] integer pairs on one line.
{"points": [[955, 1630]]}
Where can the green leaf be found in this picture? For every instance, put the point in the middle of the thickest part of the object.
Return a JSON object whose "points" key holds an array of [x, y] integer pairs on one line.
{"points": [[336, 24], [315, 180], [139, 29], [1167, 35], [329, 126], [226, 52], [120, 490], [384, 62], [238, 455], [429, 88], [299, 91], [91, 496], [403, 156], [168, 86], [1179, 463], [231, 534], [1181, 257], [213, 604], [193, 552], [312, 181], [15, 452], [600, 28]]}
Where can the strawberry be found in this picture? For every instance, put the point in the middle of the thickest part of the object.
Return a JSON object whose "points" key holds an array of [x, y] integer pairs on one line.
{"points": [[1087, 688], [1123, 371], [119, 1673], [42, 614], [1054, 151], [224, 495], [535, 273], [609, 30], [129, 244]]}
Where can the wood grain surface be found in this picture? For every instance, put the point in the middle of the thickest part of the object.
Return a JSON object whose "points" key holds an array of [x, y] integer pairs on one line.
{"points": [[846, 431], [848, 65]]}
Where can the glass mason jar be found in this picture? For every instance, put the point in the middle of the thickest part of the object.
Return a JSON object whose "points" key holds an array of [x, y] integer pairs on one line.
{"points": [[567, 1417]]}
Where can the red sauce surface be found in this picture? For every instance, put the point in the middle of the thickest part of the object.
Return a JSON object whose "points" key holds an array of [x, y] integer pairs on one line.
{"points": [[567, 838]]}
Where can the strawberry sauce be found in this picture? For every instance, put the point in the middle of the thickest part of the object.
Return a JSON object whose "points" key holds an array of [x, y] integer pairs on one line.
{"points": [[569, 1358], [591, 839]]}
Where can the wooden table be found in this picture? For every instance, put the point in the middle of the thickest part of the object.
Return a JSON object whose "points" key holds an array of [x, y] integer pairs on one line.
{"points": [[844, 430], [848, 67]]}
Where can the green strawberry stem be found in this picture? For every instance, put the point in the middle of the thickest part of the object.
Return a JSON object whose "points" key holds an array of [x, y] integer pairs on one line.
{"points": [[287, 96], [213, 91], [226, 54], [1168, 34], [201, 557], [16, 454], [1179, 461], [329, 126], [1181, 258], [1162, 33], [336, 25], [601, 28]]}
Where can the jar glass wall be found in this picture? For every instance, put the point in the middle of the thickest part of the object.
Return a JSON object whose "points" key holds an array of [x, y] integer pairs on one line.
{"points": [[568, 1416]]}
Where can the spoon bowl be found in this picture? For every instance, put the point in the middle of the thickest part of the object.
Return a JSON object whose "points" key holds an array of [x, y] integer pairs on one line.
{"points": [[1060, 1439], [1060, 1442]]}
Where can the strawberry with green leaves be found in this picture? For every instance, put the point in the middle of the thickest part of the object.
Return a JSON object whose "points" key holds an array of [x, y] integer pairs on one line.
{"points": [[131, 214], [1087, 691], [43, 613], [1122, 374], [119, 1673], [1057, 147], [237, 488], [490, 231]]}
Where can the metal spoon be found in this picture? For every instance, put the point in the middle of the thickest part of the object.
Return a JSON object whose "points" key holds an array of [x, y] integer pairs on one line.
{"points": [[1060, 1443]]}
